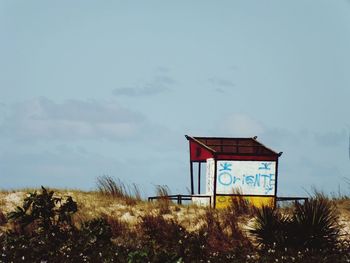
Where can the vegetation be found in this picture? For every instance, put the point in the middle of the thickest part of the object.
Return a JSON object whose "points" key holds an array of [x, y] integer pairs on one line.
{"points": [[163, 203], [110, 186], [51, 226], [312, 225]]}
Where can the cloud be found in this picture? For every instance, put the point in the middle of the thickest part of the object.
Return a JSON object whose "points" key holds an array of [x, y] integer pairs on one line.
{"points": [[159, 84], [221, 82], [221, 85], [324, 139], [163, 69], [332, 138], [311, 158], [42, 118], [56, 168], [138, 92], [220, 90], [238, 124]]}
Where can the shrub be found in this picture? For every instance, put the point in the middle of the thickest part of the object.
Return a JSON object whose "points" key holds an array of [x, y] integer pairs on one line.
{"points": [[53, 237], [167, 241], [312, 225], [45, 223], [3, 219], [223, 235], [271, 227], [239, 206], [44, 210], [92, 242], [315, 224]]}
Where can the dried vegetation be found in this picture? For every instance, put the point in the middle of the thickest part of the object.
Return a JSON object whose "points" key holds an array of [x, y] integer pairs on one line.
{"points": [[114, 224]]}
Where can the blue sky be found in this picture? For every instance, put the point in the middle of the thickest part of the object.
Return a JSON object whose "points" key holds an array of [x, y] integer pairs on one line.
{"points": [[110, 87]]}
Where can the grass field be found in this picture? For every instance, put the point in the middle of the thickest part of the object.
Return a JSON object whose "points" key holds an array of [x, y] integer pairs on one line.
{"points": [[125, 228]]}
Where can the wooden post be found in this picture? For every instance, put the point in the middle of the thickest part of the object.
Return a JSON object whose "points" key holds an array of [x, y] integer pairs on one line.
{"points": [[199, 177], [215, 179], [191, 171]]}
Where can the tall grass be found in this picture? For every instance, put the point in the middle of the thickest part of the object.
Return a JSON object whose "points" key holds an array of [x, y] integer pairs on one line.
{"points": [[223, 232], [163, 202], [115, 188], [239, 206]]}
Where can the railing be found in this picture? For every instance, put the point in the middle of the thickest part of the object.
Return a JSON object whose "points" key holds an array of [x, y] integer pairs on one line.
{"points": [[179, 198], [295, 199]]}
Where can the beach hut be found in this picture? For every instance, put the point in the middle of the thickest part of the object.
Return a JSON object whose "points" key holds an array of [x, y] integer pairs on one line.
{"points": [[234, 168]]}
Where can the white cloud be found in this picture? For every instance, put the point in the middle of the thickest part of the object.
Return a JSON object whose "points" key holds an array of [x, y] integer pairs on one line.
{"points": [[219, 82], [241, 125], [158, 85], [138, 91], [42, 118]]}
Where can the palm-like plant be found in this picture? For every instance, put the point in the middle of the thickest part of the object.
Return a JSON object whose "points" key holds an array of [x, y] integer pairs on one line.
{"points": [[271, 227], [315, 223]]}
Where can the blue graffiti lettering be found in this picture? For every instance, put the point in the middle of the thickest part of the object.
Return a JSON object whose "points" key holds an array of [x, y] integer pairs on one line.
{"points": [[225, 178], [269, 181], [266, 181], [225, 167], [257, 180], [249, 180], [236, 179], [265, 166], [265, 177]]}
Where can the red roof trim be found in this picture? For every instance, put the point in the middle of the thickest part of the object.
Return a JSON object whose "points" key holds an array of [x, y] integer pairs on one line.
{"points": [[197, 140], [200, 143]]}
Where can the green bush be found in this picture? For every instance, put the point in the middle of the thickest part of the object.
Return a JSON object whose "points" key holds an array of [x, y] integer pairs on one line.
{"points": [[271, 227], [311, 225], [167, 241], [45, 211], [46, 233], [315, 224]]}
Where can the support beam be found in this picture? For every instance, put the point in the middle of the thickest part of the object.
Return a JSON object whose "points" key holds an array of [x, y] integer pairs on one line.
{"points": [[199, 177], [215, 179], [191, 171]]}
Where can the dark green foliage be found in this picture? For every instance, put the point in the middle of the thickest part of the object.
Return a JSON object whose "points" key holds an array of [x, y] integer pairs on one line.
{"points": [[47, 233], [222, 236], [45, 210], [311, 225], [167, 241], [315, 223], [271, 227], [3, 219], [340, 254]]}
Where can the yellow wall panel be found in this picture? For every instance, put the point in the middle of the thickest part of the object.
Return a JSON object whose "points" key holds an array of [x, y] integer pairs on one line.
{"points": [[257, 201]]}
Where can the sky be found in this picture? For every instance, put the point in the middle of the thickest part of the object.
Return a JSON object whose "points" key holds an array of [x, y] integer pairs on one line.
{"points": [[92, 88]]}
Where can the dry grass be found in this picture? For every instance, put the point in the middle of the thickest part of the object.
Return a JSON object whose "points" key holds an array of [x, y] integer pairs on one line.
{"points": [[152, 227], [94, 204], [115, 188], [163, 203]]}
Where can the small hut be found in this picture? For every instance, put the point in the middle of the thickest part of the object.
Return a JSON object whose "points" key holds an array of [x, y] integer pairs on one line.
{"points": [[234, 167]]}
